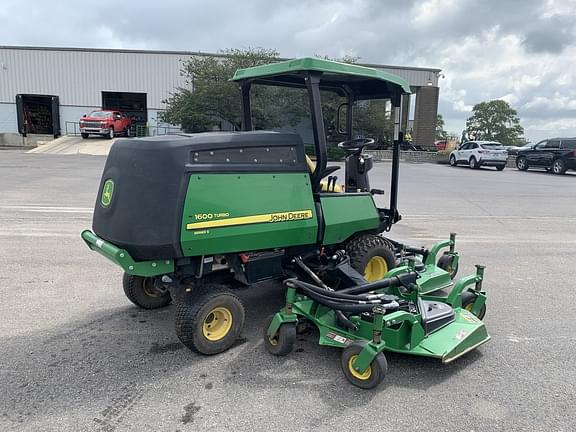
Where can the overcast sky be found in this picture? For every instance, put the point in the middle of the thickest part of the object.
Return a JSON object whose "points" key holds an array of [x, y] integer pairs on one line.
{"points": [[523, 51]]}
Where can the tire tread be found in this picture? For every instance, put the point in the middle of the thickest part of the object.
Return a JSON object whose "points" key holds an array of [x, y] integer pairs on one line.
{"points": [[187, 312]]}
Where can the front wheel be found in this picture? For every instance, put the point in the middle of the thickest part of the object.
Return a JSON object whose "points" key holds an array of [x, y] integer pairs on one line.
{"points": [[110, 133], [142, 292], [371, 256], [500, 167], [558, 166], [210, 321], [522, 163], [282, 343], [372, 376], [84, 135], [447, 263], [468, 300]]}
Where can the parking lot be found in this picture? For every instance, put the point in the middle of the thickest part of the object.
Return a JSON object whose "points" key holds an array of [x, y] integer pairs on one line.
{"points": [[76, 355]]}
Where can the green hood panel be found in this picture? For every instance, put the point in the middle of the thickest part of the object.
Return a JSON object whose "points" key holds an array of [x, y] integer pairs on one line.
{"points": [[226, 213]]}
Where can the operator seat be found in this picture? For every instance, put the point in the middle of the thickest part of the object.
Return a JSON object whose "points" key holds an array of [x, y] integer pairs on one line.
{"points": [[329, 170]]}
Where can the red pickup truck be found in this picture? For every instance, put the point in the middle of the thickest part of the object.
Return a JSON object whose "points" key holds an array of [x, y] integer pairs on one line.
{"points": [[106, 123]]}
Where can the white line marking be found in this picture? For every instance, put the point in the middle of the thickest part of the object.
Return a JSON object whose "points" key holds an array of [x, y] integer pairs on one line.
{"points": [[47, 209], [38, 234]]}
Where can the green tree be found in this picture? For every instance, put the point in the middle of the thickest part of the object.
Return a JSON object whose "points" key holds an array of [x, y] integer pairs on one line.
{"points": [[441, 134], [209, 96], [495, 120]]}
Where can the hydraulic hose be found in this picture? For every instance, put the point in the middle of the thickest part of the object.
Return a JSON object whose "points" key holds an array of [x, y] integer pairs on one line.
{"points": [[405, 280], [338, 294], [344, 307], [341, 304]]}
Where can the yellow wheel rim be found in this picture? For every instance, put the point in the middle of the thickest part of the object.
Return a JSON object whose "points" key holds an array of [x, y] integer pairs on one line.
{"points": [[361, 376], [375, 269], [148, 289], [217, 324]]}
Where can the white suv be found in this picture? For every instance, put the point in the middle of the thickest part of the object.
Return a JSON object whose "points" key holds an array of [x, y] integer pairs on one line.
{"points": [[480, 153]]}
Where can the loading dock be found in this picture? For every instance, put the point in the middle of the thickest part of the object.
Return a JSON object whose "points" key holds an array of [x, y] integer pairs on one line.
{"points": [[38, 114], [132, 104]]}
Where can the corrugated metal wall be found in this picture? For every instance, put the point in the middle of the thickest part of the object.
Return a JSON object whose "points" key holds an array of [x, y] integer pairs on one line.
{"points": [[79, 77], [415, 77]]}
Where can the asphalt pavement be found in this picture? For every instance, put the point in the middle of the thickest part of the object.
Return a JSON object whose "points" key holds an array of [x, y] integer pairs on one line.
{"points": [[76, 355]]}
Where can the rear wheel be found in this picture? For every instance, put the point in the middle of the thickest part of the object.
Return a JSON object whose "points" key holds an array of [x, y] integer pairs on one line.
{"points": [[473, 163], [558, 166], [282, 343], [372, 376], [210, 321], [142, 292], [452, 160], [371, 256], [468, 300], [128, 132], [84, 135], [522, 163]]}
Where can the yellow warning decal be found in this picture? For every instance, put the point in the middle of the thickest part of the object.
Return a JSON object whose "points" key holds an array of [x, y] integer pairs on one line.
{"points": [[255, 219]]}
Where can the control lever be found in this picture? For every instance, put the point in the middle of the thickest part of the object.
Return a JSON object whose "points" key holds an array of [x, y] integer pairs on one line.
{"points": [[328, 183], [376, 191], [334, 182]]}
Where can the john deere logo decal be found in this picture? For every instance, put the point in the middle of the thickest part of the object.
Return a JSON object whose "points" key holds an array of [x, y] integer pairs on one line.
{"points": [[107, 191], [289, 216]]}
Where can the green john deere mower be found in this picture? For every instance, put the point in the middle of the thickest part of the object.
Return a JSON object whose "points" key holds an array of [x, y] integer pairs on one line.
{"points": [[191, 217]]}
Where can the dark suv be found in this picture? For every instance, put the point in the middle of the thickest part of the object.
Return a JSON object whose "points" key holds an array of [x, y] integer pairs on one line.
{"points": [[555, 154]]}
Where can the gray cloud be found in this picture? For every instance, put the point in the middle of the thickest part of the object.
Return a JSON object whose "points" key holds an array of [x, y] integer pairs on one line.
{"points": [[487, 49], [550, 35]]}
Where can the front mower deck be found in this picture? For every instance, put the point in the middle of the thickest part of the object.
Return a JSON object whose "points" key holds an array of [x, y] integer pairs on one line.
{"points": [[405, 323]]}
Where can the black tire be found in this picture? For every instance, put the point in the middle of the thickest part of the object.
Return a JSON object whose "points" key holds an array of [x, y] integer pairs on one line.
{"points": [[195, 316], [500, 167], [522, 163], [453, 161], [84, 135], [468, 300], [364, 248], [559, 167], [140, 291], [445, 263], [283, 341], [473, 163], [372, 376], [110, 134]]}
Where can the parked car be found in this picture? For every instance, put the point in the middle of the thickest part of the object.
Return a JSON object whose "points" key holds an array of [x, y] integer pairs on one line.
{"points": [[513, 150], [441, 145], [106, 123], [555, 154], [480, 153]]}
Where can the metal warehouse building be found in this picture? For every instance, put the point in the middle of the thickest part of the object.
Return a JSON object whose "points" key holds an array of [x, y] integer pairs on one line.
{"points": [[46, 90]]}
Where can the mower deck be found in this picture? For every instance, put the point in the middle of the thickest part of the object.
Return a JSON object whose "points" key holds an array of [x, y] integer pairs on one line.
{"points": [[401, 321]]}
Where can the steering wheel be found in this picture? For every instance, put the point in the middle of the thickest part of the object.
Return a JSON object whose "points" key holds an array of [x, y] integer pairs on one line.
{"points": [[356, 144]]}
